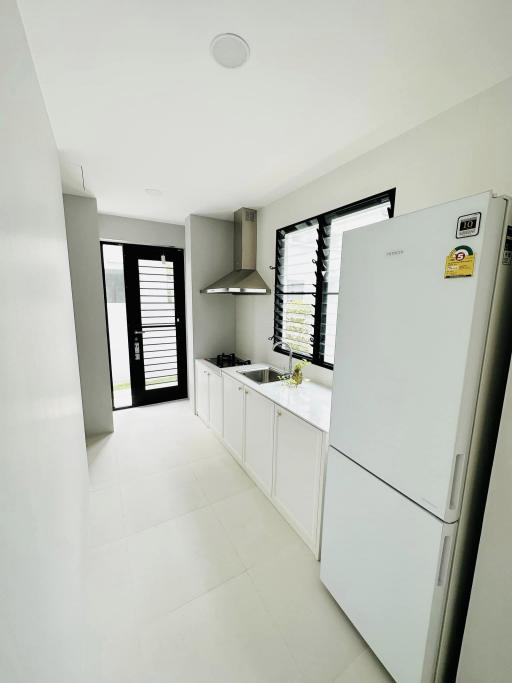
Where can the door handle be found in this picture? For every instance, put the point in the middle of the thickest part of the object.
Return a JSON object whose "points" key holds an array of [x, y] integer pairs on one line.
{"points": [[443, 562]]}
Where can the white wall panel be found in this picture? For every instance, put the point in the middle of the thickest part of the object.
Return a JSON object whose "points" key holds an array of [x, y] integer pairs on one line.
{"points": [[43, 467], [89, 307], [463, 151]]}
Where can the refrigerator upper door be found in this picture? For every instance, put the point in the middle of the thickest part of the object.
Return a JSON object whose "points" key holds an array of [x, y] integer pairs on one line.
{"points": [[386, 561], [410, 346]]}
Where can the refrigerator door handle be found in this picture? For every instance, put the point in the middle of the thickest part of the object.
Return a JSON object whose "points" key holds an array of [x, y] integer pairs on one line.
{"points": [[443, 562], [456, 481]]}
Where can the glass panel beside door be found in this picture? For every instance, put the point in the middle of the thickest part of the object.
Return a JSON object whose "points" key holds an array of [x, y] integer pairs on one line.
{"points": [[155, 325]]}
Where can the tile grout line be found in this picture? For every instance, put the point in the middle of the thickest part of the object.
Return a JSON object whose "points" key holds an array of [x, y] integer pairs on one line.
{"points": [[139, 623], [232, 544], [276, 624], [132, 479], [119, 485], [164, 615], [208, 503], [230, 495], [129, 534]]}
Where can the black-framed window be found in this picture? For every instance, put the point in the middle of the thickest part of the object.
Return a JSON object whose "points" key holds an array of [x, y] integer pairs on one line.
{"points": [[308, 258]]}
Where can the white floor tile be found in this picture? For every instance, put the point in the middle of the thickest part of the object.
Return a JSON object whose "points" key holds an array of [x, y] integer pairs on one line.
{"points": [[178, 561], [221, 477], [254, 526], [150, 500], [119, 660], [173, 601], [106, 517], [365, 669], [225, 636], [197, 442], [110, 606], [150, 439], [102, 460], [320, 637], [149, 453]]}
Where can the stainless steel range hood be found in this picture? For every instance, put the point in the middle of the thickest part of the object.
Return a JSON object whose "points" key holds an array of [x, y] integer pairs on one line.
{"points": [[244, 279]]}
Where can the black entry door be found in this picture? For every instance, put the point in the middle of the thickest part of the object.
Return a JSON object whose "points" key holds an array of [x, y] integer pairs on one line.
{"points": [[155, 314]]}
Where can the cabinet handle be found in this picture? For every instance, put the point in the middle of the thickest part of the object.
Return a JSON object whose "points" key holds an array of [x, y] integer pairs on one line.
{"points": [[239, 388], [246, 392], [279, 413]]}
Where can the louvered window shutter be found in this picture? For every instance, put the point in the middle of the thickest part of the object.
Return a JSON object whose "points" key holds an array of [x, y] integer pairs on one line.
{"points": [[308, 262]]}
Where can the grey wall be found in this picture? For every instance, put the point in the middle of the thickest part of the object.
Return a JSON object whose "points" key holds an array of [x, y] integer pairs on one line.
{"points": [[486, 650], [135, 231], [210, 317], [465, 150], [43, 467], [89, 307]]}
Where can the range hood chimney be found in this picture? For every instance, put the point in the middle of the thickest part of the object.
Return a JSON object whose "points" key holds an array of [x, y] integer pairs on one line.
{"points": [[244, 279]]}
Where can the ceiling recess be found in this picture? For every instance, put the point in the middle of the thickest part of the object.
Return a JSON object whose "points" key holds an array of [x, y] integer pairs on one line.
{"points": [[229, 50]]}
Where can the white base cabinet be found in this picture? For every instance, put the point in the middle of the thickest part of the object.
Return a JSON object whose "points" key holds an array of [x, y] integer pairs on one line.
{"points": [[234, 416], [283, 454], [215, 402], [259, 439], [209, 402], [202, 393], [298, 474]]}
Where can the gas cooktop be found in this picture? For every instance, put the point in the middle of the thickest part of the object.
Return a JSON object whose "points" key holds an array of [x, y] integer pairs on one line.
{"points": [[227, 360]]}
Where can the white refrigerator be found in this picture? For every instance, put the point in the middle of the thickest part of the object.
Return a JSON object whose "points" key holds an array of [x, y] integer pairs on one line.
{"points": [[422, 351]]}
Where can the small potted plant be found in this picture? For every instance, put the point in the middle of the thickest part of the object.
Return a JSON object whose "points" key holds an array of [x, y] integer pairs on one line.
{"points": [[296, 377]]}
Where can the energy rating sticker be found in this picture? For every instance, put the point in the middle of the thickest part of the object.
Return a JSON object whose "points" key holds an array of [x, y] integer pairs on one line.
{"points": [[460, 262]]}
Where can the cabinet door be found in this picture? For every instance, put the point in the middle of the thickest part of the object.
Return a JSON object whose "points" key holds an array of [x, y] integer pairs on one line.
{"points": [[297, 472], [233, 415], [215, 396], [202, 391], [259, 438]]}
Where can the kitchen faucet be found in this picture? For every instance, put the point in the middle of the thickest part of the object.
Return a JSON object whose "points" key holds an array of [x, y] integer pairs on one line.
{"points": [[284, 344]]}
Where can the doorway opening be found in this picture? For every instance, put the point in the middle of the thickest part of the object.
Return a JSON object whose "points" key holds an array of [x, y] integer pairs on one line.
{"points": [[145, 309]]}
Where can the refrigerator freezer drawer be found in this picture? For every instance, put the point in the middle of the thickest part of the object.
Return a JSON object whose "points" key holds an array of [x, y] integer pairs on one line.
{"points": [[387, 562]]}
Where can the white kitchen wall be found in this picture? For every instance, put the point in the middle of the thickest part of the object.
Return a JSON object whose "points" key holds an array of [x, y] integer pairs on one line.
{"points": [[89, 307], [136, 231], [43, 467], [465, 150], [210, 317]]}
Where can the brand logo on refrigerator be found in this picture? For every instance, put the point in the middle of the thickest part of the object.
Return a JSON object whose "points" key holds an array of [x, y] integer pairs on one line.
{"points": [[396, 252]]}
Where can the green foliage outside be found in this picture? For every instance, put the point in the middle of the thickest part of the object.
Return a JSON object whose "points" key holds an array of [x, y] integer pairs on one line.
{"points": [[298, 330]]}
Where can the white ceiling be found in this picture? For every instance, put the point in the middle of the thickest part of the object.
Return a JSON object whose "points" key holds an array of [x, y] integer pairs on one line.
{"points": [[135, 98]]}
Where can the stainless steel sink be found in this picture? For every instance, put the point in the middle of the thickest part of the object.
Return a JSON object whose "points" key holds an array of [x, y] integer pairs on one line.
{"points": [[263, 376]]}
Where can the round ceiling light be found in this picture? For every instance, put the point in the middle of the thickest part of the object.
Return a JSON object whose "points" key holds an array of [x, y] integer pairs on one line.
{"points": [[229, 50]]}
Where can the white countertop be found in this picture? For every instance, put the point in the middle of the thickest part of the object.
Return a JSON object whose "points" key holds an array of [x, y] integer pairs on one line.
{"points": [[309, 401]]}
